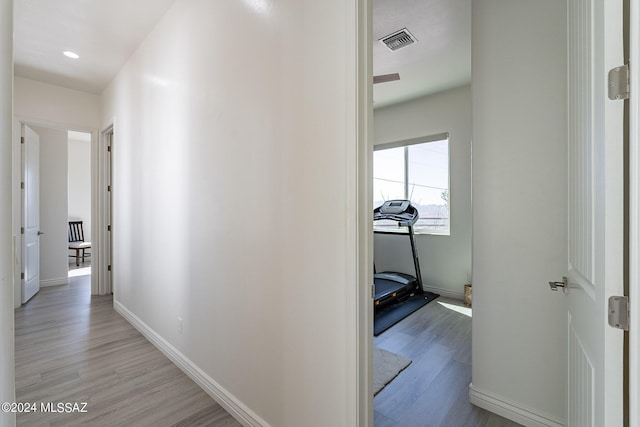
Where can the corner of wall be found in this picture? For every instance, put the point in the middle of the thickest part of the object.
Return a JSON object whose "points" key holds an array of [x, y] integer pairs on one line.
{"points": [[512, 410], [218, 393]]}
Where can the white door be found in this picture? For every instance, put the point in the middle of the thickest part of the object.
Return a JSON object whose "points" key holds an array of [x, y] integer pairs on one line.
{"points": [[596, 252], [31, 213]]}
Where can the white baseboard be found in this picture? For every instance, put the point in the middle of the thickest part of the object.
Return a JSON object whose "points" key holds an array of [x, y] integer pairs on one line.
{"points": [[54, 282], [512, 410], [448, 293], [230, 403]]}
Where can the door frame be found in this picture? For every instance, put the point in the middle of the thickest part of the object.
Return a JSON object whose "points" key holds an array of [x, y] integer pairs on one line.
{"points": [[102, 211], [17, 193], [634, 215], [361, 156]]}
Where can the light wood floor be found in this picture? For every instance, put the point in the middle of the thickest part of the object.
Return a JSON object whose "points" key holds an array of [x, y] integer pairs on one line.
{"points": [[72, 347], [434, 390]]}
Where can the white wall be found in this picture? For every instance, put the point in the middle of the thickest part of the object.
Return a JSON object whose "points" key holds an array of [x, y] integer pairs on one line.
{"points": [[79, 179], [519, 207], [54, 107], [234, 193], [54, 260], [43, 103], [7, 369], [445, 261]]}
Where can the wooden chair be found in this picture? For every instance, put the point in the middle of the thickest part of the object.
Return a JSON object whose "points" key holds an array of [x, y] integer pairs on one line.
{"points": [[76, 241]]}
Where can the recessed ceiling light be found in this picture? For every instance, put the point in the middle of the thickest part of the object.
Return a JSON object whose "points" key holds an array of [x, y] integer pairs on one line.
{"points": [[70, 54]]}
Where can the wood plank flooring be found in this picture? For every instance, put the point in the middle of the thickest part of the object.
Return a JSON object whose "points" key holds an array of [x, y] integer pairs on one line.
{"points": [[72, 347], [434, 390]]}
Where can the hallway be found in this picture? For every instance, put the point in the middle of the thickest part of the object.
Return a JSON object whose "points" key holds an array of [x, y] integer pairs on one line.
{"points": [[72, 347]]}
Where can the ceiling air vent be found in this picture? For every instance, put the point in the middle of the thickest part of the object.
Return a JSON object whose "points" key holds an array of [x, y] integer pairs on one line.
{"points": [[399, 39]]}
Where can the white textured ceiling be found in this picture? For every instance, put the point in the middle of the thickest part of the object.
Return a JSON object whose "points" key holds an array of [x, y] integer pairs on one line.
{"points": [[103, 33], [440, 60]]}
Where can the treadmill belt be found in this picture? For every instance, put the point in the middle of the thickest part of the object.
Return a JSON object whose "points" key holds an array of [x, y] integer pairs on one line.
{"points": [[389, 316], [384, 288]]}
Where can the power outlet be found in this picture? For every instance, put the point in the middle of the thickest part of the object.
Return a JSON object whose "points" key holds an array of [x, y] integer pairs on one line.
{"points": [[180, 325]]}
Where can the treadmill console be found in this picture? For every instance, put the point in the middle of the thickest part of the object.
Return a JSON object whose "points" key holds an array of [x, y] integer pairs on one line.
{"points": [[401, 211], [394, 206]]}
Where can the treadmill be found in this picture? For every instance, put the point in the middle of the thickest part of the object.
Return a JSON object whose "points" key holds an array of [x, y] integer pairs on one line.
{"points": [[390, 286]]}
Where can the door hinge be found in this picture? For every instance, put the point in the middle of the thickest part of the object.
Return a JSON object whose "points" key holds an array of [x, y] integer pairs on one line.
{"points": [[22, 185], [21, 276], [108, 188], [373, 292], [564, 285], [21, 230], [108, 148], [619, 312], [619, 86], [22, 140], [108, 228], [108, 268]]}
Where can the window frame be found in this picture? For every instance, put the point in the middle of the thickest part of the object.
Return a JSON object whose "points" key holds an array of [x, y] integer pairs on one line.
{"points": [[406, 143]]}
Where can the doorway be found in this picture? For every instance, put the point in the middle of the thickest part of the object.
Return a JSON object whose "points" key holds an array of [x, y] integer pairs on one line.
{"points": [[79, 203], [440, 359], [63, 171]]}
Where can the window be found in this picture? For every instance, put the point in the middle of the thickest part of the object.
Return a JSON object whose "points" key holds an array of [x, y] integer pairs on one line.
{"points": [[416, 170]]}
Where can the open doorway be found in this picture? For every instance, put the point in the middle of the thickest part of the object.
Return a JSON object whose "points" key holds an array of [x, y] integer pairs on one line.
{"points": [[56, 187], [422, 152], [79, 203]]}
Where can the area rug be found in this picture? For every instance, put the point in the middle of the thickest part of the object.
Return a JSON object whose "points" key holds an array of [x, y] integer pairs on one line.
{"points": [[386, 366]]}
